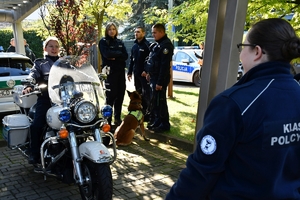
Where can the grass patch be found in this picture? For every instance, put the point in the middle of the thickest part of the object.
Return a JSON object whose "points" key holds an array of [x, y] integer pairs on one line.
{"points": [[182, 110]]}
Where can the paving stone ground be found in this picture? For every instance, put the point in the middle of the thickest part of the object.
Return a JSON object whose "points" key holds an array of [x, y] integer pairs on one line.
{"points": [[143, 171]]}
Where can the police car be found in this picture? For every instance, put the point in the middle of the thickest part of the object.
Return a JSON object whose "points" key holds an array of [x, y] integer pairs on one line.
{"points": [[13, 68], [186, 67]]}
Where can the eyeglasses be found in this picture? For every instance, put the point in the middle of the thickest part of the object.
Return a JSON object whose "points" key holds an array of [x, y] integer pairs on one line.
{"points": [[241, 45]]}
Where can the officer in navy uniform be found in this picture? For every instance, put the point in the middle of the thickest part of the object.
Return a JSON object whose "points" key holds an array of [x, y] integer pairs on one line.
{"points": [[249, 144], [139, 52], [114, 56], [158, 73], [40, 72]]}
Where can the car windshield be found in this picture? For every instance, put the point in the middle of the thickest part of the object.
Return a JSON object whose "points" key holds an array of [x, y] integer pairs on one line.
{"points": [[187, 55], [74, 76], [14, 67]]}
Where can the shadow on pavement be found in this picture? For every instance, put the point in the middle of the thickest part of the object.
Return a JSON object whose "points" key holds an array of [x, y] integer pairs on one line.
{"points": [[143, 170]]}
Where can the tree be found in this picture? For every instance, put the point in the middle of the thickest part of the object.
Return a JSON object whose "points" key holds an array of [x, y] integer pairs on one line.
{"points": [[67, 22], [263, 9], [191, 16], [102, 11], [189, 19], [138, 15], [191, 23]]}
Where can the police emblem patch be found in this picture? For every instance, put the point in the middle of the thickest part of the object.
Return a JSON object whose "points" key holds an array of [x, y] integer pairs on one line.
{"points": [[165, 51], [10, 83], [208, 145]]}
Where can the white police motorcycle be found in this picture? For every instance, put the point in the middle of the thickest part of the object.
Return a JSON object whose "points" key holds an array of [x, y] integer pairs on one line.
{"points": [[77, 146]]}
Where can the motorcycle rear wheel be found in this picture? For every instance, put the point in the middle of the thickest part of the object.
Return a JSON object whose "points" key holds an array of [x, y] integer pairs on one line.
{"points": [[100, 186]]}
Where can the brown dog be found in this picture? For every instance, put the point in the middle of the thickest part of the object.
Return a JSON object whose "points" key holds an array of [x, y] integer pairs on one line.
{"points": [[125, 132]]}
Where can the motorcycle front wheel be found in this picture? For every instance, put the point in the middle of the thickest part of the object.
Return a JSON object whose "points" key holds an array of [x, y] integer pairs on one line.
{"points": [[99, 185]]}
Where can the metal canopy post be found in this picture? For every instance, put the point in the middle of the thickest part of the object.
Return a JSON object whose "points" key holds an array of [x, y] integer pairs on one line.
{"points": [[232, 35], [225, 26], [19, 39]]}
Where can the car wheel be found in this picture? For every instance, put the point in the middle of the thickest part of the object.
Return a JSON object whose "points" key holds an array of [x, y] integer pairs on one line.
{"points": [[197, 78]]}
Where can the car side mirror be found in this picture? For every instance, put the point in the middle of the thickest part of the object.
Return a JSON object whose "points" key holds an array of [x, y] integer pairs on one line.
{"points": [[185, 61]]}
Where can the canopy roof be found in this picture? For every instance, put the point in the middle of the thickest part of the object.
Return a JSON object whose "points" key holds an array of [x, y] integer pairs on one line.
{"points": [[16, 10]]}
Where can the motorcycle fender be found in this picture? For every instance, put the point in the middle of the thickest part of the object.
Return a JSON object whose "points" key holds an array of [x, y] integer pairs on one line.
{"points": [[95, 151]]}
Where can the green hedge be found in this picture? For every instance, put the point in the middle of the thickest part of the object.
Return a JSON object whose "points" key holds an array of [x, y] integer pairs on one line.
{"points": [[35, 42]]}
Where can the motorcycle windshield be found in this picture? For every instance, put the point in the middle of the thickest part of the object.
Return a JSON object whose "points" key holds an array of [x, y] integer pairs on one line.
{"points": [[74, 75]]}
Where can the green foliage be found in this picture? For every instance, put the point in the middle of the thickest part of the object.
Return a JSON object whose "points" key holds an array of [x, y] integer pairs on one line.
{"points": [[31, 36], [262, 9], [34, 41], [67, 22], [190, 17], [5, 36], [138, 15], [156, 15], [190, 23], [102, 11]]}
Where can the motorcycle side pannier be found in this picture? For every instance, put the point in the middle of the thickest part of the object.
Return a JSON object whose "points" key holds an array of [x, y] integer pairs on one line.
{"points": [[15, 129]]}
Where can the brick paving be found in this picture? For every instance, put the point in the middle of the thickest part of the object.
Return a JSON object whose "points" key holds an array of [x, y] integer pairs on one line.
{"points": [[142, 171]]}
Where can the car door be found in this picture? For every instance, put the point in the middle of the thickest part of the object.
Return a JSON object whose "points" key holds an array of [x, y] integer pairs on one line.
{"points": [[11, 73], [182, 68]]}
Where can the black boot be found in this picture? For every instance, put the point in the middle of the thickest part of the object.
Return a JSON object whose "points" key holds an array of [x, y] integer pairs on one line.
{"points": [[34, 158]]}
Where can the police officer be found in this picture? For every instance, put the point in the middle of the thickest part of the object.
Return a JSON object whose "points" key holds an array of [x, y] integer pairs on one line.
{"points": [[40, 72], [11, 47], [158, 73], [139, 52], [28, 51], [249, 144], [114, 56]]}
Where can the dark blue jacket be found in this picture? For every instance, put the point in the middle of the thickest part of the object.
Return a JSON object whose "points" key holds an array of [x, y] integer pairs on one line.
{"points": [[40, 71], [249, 145], [159, 62], [113, 54], [139, 52]]}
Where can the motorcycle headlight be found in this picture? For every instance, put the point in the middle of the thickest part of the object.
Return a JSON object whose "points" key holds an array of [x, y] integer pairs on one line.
{"points": [[85, 111], [64, 115], [106, 111]]}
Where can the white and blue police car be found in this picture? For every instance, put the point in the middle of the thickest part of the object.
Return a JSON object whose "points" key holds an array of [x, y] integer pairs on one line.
{"points": [[185, 65], [186, 68]]}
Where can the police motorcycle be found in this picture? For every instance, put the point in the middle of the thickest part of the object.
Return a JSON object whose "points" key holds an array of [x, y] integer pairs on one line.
{"points": [[77, 146]]}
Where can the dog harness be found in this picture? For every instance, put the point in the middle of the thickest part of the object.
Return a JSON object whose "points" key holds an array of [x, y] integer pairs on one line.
{"points": [[137, 114]]}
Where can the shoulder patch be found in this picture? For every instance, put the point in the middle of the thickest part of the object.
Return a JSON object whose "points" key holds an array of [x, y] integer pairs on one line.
{"points": [[208, 145], [165, 51]]}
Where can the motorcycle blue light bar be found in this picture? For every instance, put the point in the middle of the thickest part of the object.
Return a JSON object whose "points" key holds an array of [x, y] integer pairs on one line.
{"points": [[64, 115]]}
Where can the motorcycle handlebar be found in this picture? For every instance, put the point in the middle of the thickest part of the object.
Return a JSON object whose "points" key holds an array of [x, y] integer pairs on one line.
{"points": [[28, 81], [31, 93]]}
